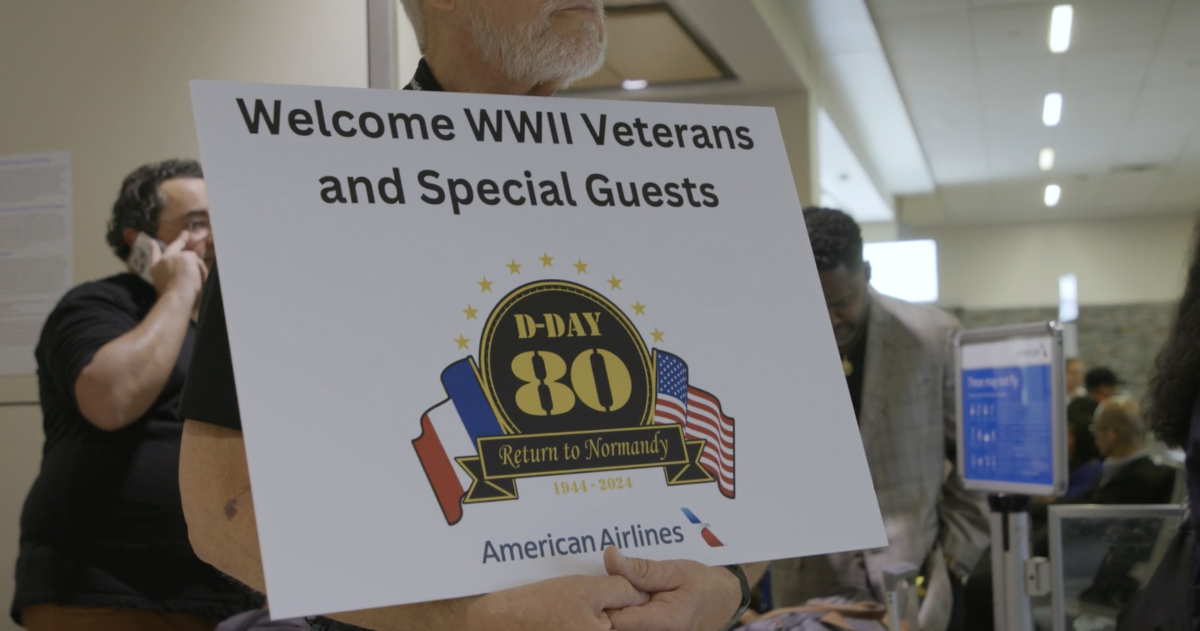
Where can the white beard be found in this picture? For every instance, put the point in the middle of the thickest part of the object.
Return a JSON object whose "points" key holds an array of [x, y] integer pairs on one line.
{"points": [[537, 53]]}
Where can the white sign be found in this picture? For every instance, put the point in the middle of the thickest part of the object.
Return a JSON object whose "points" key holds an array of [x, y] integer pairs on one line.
{"points": [[35, 251], [1011, 434], [479, 338]]}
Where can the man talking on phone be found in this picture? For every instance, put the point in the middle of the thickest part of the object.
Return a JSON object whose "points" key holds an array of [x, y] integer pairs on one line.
{"points": [[520, 47], [103, 541]]}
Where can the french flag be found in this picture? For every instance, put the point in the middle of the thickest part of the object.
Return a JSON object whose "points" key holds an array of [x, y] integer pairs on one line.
{"points": [[449, 430]]}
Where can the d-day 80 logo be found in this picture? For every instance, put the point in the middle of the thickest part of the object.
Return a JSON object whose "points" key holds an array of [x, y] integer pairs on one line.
{"points": [[564, 384]]}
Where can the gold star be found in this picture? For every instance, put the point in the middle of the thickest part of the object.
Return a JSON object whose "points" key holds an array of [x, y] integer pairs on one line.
{"points": [[614, 281], [470, 312], [639, 308], [658, 335], [513, 268], [580, 267], [485, 285], [546, 259], [462, 341]]}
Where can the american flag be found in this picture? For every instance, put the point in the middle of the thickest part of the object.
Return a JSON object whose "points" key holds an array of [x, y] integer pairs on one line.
{"points": [[700, 414]]}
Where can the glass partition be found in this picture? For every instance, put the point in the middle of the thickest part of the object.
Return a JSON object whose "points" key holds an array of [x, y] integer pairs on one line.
{"points": [[1101, 556]]}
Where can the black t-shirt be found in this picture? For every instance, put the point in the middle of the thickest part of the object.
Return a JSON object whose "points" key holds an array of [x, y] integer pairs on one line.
{"points": [[103, 525], [210, 395]]}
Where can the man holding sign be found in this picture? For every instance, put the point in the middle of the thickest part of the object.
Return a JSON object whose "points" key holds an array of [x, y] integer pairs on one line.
{"points": [[526, 47]]}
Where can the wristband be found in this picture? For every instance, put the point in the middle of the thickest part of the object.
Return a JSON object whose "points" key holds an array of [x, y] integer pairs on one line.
{"points": [[737, 616]]}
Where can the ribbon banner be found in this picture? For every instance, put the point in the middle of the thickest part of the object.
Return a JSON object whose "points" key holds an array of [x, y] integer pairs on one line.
{"points": [[469, 459]]}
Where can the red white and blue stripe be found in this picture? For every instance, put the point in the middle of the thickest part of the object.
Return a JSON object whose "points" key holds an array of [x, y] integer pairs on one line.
{"points": [[449, 430], [700, 413], [705, 532]]}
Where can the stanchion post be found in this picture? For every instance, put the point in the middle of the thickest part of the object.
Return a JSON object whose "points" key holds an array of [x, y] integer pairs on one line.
{"points": [[1010, 550]]}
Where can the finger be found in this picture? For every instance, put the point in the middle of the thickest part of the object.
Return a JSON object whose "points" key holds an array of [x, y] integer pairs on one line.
{"points": [[156, 252], [648, 576], [195, 240], [203, 271], [178, 244], [614, 592], [653, 616]]}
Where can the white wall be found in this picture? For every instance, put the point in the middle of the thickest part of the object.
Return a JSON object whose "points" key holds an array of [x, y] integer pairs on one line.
{"points": [[108, 82], [1118, 261]]}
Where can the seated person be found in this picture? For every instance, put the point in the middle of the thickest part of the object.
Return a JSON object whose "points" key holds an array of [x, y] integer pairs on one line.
{"points": [[1101, 384], [1129, 475]]}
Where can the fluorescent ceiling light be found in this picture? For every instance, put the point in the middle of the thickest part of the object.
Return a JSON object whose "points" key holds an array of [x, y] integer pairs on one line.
{"points": [[906, 270], [1046, 159], [1053, 194], [634, 84], [1068, 298], [1052, 109], [1060, 28]]}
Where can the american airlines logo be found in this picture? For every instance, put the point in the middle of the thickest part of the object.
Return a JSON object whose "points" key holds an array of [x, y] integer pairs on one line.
{"points": [[705, 533]]}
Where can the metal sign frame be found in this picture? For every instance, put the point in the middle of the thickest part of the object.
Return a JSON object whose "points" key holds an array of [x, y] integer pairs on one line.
{"points": [[1092, 511], [1052, 332]]}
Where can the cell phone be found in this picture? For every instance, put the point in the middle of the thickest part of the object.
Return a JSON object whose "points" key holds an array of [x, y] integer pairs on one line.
{"points": [[141, 255]]}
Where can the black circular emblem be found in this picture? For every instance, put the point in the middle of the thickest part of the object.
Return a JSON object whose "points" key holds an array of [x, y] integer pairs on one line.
{"points": [[557, 356]]}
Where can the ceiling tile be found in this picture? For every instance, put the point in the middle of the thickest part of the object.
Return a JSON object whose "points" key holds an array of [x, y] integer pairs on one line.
{"points": [[1105, 70], [967, 201], [1084, 152], [1011, 33], [1108, 25], [1191, 153], [1130, 189], [941, 38], [1097, 110], [1175, 65], [884, 9], [1176, 100], [1153, 141], [958, 159], [1080, 195], [1182, 187], [1013, 155], [1131, 87], [946, 91], [1026, 78], [1183, 22]]}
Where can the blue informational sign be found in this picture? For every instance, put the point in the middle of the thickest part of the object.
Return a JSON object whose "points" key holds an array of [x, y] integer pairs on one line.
{"points": [[1011, 410], [1008, 416]]}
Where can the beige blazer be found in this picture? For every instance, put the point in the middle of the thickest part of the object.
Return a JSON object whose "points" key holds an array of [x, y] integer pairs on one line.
{"points": [[908, 432]]}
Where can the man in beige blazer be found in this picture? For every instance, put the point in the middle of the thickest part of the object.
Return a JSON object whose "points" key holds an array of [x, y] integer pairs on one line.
{"points": [[900, 371]]}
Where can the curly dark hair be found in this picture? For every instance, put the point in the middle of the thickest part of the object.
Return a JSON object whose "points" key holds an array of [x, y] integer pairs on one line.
{"points": [[835, 238], [140, 202], [1175, 383]]}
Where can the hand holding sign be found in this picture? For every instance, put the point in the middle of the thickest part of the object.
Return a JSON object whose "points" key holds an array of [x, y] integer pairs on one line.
{"points": [[685, 595], [583, 603]]}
